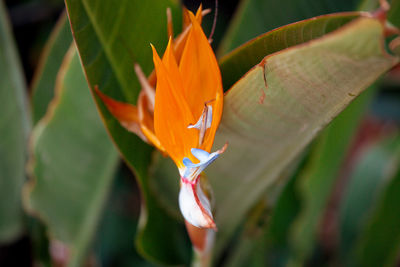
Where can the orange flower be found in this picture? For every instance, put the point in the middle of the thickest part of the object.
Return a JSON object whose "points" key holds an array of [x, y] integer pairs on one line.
{"points": [[183, 116]]}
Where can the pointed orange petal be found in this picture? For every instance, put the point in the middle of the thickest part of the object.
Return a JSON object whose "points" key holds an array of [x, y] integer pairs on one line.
{"points": [[126, 114], [170, 26], [147, 122], [199, 15], [201, 79], [171, 113], [185, 18], [180, 41]]}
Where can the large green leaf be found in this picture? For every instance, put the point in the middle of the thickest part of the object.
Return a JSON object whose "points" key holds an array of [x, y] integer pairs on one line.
{"points": [[110, 39], [368, 216], [254, 17], [273, 247], [316, 180], [113, 244], [380, 242], [14, 128], [235, 64], [50, 61], [73, 163], [279, 106], [42, 92]]}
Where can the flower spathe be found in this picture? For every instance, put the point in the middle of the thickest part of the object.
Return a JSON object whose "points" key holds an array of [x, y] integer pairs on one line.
{"points": [[183, 115], [187, 112]]}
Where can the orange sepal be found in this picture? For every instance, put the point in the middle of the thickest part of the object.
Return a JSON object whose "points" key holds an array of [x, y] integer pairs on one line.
{"points": [[125, 113], [147, 122], [171, 112], [201, 78], [180, 41]]}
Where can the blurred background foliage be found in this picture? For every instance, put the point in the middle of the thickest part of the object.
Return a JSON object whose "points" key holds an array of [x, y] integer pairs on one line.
{"points": [[337, 205]]}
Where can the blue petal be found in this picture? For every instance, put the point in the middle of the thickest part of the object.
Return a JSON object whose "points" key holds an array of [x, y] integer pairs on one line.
{"points": [[187, 162], [193, 170], [200, 154]]}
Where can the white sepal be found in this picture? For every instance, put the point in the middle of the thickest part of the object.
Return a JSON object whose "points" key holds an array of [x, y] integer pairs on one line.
{"points": [[194, 205]]}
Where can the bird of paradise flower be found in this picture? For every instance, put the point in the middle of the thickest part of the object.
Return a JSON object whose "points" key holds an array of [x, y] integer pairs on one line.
{"points": [[181, 116]]}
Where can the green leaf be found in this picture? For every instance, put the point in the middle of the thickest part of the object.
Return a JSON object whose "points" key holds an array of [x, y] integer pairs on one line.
{"points": [[380, 242], [42, 92], [368, 5], [14, 127], [316, 181], [278, 107], [238, 62], [274, 246], [73, 163], [393, 15], [113, 244], [110, 39], [255, 17], [164, 183], [242, 250], [50, 61], [368, 215]]}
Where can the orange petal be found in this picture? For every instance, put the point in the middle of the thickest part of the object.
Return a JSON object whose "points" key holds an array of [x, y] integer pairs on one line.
{"points": [[180, 41], [126, 114], [201, 79], [147, 122], [171, 113], [185, 17], [199, 15]]}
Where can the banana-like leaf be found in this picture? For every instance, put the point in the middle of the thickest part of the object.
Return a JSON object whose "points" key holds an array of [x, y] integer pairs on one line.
{"points": [[255, 17], [272, 246], [73, 163], [110, 38], [316, 180], [113, 245], [235, 64], [368, 215], [280, 105], [381, 239], [42, 92], [50, 61], [14, 128]]}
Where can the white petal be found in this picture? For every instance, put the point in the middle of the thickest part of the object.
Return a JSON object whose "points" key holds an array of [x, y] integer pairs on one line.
{"points": [[195, 206]]}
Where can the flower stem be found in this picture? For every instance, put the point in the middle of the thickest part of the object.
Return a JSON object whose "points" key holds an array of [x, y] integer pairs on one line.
{"points": [[202, 242]]}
